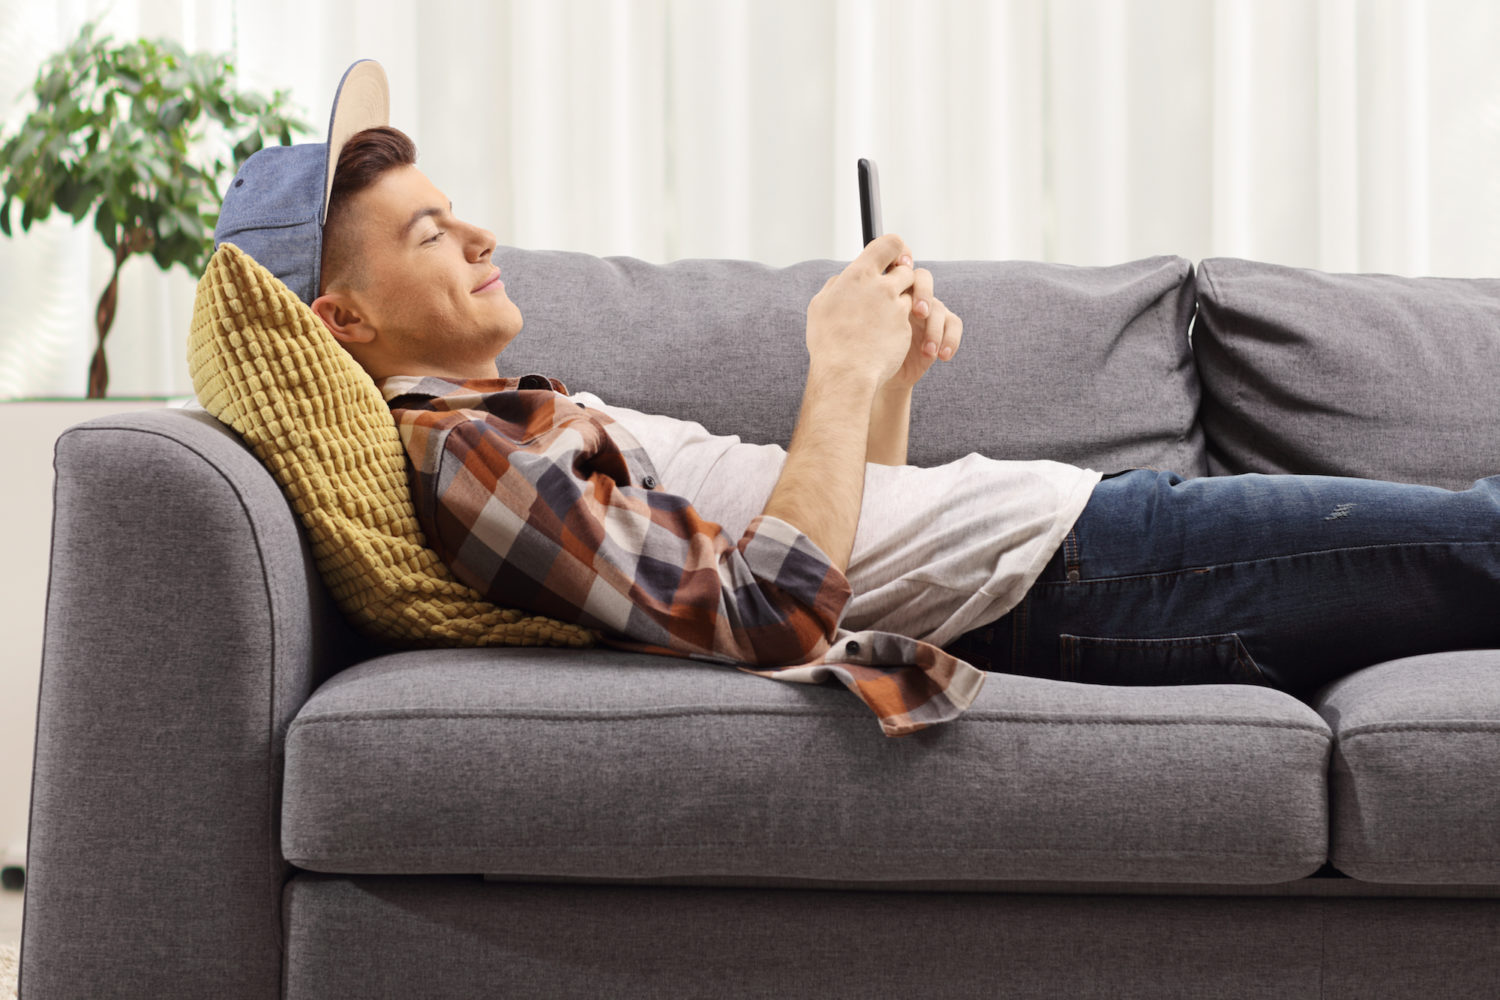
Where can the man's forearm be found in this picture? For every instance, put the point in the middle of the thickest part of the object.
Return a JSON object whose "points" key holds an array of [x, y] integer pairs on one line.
{"points": [[890, 417], [822, 483]]}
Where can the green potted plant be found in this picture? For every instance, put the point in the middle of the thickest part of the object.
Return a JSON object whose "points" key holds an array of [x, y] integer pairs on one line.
{"points": [[143, 135]]}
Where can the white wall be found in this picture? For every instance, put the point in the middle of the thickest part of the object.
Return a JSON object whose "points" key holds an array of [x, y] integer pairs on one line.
{"points": [[1358, 135]]}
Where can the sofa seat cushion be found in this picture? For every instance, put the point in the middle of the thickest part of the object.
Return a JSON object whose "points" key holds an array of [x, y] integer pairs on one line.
{"points": [[1416, 796], [617, 766]]}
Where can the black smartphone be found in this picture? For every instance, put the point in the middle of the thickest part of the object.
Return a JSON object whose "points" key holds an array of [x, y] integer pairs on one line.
{"points": [[869, 200]]}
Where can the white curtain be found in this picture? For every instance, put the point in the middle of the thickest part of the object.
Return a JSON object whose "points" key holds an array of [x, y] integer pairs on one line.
{"points": [[1345, 135]]}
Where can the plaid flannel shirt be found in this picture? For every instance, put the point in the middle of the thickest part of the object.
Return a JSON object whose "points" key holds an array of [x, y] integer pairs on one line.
{"points": [[540, 503]]}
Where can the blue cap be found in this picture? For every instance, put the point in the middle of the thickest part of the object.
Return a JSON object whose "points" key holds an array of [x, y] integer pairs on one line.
{"points": [[276, 205]]}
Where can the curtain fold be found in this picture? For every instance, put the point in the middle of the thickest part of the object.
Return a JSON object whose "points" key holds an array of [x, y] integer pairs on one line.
{"points": [[1346, 135]]}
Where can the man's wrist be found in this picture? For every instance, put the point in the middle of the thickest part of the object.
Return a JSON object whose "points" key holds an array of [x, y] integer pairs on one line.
{"points": [[890, 416], [822, 480], [844, 380]]}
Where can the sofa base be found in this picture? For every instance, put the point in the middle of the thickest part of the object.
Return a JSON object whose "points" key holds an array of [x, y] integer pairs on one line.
{"points": [[401, 936]]}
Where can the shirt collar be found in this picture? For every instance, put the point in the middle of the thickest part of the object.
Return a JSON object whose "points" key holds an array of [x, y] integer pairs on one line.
{"points": [[437, 386]]}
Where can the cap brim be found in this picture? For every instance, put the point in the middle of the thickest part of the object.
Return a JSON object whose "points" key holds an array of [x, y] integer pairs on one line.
{"points": [[363, 101]]}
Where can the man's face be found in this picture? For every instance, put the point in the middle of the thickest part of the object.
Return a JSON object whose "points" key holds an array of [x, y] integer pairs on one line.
{"points": [[426, 299]]}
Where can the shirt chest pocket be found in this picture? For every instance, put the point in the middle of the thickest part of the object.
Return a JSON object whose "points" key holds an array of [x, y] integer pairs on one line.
{"points": [[1199, 659]]}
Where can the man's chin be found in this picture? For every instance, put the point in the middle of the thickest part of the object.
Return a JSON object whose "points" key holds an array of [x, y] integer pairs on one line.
{"points": [[514, 321], [506, 337]]}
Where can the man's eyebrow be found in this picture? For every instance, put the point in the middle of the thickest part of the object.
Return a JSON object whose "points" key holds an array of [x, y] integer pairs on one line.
{"points": [[421, 214]]}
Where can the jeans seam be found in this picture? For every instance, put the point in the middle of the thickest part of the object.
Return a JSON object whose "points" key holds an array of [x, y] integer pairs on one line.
{"points": [[1070, 651], [1211, 567], [1156, 642], [1243, 657], [1018, 630], [1072, 563]]}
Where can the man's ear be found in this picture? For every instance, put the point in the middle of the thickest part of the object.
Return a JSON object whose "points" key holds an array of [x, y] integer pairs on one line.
{"points": [[340, 314]]}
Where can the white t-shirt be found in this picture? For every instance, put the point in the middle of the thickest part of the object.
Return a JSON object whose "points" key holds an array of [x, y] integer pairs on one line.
{"points": [[938, 551]]}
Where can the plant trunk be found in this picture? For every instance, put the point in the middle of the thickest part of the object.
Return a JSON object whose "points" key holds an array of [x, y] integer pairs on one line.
{"points": [[104, 318]]}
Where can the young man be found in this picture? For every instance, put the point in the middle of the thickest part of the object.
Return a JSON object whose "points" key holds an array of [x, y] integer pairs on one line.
{"points": [[565, 506]]}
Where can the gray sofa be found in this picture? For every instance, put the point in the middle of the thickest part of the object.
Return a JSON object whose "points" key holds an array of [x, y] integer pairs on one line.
{"points": [[236, 796]]}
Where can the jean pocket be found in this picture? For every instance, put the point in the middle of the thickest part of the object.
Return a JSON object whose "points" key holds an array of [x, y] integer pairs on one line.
{"points": [[1198, 659]]}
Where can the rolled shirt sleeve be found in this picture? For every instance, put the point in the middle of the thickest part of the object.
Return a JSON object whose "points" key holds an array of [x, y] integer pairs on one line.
{"points": [[551, 521]]}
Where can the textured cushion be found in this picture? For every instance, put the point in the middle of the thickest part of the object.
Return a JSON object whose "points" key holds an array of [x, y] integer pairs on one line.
{"points": [[542, 762], [1415, 794], [1087, 365], [1365, 375], [264, 364]]}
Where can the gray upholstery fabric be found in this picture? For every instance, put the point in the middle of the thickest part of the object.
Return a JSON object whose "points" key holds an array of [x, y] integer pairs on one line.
{"points": [[377, 938], [555, 762], [1085, 365], [186, 628], [1365, 375], [185, 625], [1414, 778]]}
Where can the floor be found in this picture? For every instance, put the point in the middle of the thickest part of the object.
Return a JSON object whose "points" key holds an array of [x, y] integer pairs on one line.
{"points": [[10, 915]]}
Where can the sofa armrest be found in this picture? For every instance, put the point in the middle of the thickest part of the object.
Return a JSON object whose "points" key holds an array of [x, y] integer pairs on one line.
{"points": [[186, 625]]}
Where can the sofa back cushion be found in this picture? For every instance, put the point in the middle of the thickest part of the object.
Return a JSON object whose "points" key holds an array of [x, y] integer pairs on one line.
{"points": [[1087, 365], [1366, 375]]}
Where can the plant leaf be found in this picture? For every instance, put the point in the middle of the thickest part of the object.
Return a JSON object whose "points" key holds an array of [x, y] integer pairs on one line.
{"points": [[118, 131], [247, 147], [104, 225], [173, 113], [68, 190]]}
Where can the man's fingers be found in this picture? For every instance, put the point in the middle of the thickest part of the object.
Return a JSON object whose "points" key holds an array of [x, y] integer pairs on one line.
{"points": [[883, 251], [922, 289], [923, 305], [934, 342], [901, 279], [953, 334], [942, 333]]}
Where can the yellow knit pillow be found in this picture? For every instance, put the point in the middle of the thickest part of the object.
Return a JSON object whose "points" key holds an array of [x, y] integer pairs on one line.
{"points": [[264, 364]]}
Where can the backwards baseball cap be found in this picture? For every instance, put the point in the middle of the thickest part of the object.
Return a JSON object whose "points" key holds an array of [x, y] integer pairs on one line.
{"points": [[278, 202]]}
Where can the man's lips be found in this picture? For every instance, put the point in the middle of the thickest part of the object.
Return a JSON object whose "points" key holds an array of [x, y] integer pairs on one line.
{"points": [[488, 283]]}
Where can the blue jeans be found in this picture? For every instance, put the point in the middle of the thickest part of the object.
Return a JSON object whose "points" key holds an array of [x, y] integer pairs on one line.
{"points": [[1289, 581]]}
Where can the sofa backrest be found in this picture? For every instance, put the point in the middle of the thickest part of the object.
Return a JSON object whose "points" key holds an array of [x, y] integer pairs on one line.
{"points": [[1282, 369], [1086, 365], [1368, 375]]}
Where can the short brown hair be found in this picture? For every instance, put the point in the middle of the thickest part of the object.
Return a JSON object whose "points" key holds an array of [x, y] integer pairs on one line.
{"points": [[365, 157]]}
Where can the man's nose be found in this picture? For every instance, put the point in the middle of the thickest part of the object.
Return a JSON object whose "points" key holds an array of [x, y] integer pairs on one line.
{"points": [[484, 242]]}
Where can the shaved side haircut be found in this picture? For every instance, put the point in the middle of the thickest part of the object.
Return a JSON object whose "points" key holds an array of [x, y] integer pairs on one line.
{"points": [[363, 160]]}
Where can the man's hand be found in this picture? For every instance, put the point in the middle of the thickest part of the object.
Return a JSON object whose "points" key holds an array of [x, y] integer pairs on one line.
{"points": [[860, 324], [858, 332], [935, 333]]}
